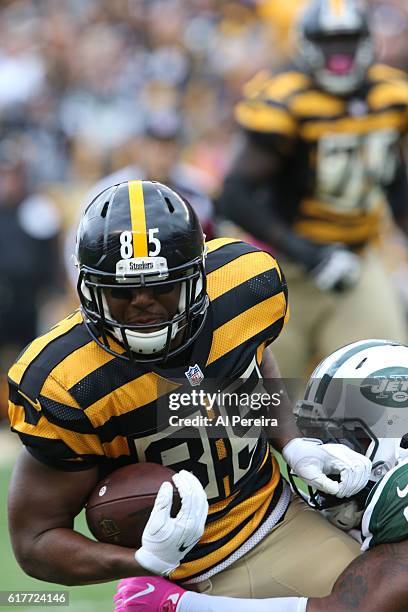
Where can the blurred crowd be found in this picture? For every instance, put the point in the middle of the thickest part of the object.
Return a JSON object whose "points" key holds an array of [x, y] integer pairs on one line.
{"points": [[86, 84]]}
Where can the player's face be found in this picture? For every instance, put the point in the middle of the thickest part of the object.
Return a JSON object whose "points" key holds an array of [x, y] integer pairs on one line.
{"points": [[143, 305]]}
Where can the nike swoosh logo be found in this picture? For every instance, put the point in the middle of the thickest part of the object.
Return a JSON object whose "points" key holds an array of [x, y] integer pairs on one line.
{"points": [[150, 588], [35, 404], [402, 493], [182, 548]]}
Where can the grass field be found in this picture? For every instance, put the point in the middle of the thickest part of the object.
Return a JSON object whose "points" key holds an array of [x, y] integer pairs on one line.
{"points": [[95, 598]]}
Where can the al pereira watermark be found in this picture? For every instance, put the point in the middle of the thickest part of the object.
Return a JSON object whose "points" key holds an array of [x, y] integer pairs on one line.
{"points": [[222, 409], [225, 420]]}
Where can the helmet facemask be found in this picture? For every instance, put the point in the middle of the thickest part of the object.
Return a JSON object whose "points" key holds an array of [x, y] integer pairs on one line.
{"points": [[358, 396], [335, 47], [144, 342]]}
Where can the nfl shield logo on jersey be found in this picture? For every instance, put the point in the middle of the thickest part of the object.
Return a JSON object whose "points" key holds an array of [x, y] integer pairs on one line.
{"points": [[194, 375]]}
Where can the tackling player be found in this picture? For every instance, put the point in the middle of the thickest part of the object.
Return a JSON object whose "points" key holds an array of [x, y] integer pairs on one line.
{"points": [[163, 313], [377, 580]]}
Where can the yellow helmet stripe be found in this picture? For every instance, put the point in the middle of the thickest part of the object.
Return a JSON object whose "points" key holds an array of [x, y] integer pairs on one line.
{"points": [[138, 219], [337, 6]]}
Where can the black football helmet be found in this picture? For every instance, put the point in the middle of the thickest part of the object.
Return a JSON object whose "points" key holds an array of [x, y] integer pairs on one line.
{"points": [[141, 234], [335, 45]]}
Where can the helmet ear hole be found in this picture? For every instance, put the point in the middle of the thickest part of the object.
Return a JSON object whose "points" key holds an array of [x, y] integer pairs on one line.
{"points": [[169, 204]]}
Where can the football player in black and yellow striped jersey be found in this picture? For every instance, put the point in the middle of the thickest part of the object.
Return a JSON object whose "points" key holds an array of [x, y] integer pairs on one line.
{"points": [[320, 162], [160, 313]]}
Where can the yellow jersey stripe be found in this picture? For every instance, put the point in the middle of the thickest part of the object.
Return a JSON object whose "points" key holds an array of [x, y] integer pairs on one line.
{"points": [[221, 450], [138, 219], [251, 266], [80, 443], [380, 72], [259, 353], [246, 325], [387, 94], [284, 85], [116, 448], [54, 390], [227, 488], [35, 348], [223, 503], [327, 232], [80, 363], [213, 532], [217, 243], [356, 125], [258, 117], [315, 103], [135, 394], [314, 208], [254, 87], [280, 87]]}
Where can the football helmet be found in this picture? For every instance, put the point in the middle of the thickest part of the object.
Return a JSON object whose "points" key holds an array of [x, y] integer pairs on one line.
{"points": [[140, 234], [358, 396], [335, 45]]}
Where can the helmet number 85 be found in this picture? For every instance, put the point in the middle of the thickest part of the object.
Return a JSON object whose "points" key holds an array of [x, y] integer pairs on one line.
{"points": [[126, 243]]}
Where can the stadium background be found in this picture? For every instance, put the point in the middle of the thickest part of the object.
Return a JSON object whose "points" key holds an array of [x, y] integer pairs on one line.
{"points": [[80, 82]]}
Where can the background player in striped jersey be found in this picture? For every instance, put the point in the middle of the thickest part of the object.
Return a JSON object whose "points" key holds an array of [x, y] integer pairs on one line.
{"points": [[320, 160], [161, 312], [376, 581]]}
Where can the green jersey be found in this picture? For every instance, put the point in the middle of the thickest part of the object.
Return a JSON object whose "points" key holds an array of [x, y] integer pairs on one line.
{"points": [[385, 518]]}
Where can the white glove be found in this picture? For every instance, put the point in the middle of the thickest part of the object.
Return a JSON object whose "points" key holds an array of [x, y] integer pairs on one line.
{"points": [[339, 269], [312, 460], [166, 540]]}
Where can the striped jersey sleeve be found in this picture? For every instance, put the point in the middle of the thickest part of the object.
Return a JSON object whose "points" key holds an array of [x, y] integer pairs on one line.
{"points": [[48, 419], [265, 107]]}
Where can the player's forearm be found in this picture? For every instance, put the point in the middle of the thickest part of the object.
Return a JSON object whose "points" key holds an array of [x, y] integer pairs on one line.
{"points": [[376, 581], [283, 412], [241, 196], [66, 557]]}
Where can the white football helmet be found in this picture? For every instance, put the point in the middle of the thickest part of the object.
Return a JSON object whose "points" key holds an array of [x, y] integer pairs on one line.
{"points": [[358, 396]]}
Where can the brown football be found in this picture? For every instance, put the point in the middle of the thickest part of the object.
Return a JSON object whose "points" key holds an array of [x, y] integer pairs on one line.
{"points": [[120, 505]]}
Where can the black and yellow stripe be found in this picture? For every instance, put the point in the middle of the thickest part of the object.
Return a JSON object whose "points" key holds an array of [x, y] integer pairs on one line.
{"points": [[231, 522], [249, 302], [322, 225], [82, 406], [294, 116]]}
